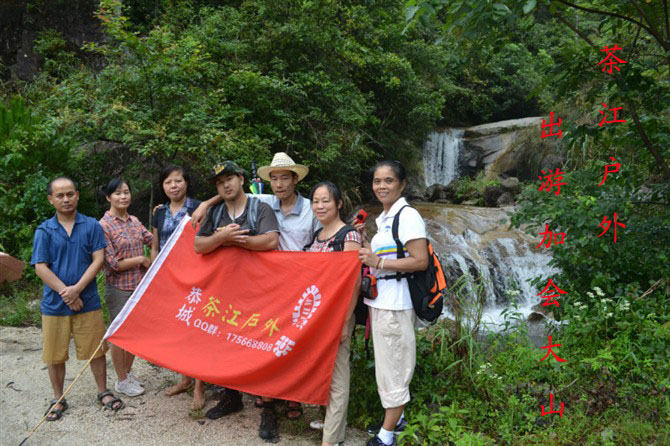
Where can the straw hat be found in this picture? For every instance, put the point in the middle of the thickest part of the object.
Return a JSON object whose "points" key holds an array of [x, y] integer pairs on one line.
{"points": [[282, 161]]}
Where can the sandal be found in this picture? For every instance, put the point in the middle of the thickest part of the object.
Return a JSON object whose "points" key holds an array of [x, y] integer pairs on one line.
{"points": [[57, 413], [293, 407], [110, 404]]}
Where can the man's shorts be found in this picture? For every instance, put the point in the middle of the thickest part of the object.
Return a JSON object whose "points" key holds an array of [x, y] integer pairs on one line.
{"points": [[86, 328]]}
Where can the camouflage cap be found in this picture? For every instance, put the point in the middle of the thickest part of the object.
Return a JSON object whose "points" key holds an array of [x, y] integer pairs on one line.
{"points": [[224, 168]]}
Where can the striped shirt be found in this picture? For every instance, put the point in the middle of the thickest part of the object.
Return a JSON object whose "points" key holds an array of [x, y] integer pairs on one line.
{"points": [[125, 239]]}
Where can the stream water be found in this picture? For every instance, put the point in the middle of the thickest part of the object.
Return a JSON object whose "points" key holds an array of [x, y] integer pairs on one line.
{"points": [[479, 242]]}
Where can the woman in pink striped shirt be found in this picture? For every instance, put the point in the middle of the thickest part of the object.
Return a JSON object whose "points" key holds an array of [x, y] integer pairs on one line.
{"points": [[125, 265]]}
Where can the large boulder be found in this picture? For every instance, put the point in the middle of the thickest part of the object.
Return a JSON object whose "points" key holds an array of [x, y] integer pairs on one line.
{"points": [[507, 148], [491, 195]]}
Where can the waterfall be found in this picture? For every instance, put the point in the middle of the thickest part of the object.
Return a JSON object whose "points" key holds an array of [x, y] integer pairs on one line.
{"points": [[440, 156], [500, 260]]}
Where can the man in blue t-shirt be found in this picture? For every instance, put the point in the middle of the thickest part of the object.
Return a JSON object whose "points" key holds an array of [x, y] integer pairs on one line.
{"points": [[68, 251]]}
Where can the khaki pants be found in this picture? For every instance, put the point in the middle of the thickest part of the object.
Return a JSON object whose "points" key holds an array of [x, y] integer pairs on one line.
{"points": [[395, 354], [335, 424]]}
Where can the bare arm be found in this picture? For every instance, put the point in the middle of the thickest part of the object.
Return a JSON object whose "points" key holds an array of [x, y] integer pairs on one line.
{"points": [[92, 270], [126, 264], [352, 246], [70, 294], [52, 281], [48, 277], [200, 212], [417, 259], [263, 242], [230, 235], [154, 244]]}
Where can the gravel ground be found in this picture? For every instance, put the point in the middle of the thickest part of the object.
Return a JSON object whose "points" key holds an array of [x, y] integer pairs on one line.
{"points": [[149, 419]]}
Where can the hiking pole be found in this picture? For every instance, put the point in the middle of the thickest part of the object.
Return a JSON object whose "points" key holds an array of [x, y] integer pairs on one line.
{"points": [[76, 378]]}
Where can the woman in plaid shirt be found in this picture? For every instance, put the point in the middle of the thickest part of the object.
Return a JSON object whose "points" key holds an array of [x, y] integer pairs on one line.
{"points": [[124, 266]]}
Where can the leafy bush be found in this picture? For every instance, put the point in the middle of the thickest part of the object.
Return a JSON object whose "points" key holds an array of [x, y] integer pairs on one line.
{"points": [[32, 152]]}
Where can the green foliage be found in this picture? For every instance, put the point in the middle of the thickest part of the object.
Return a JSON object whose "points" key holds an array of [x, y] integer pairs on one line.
{"points": [[32, 151], [20, 304], [468, 188], [477, 388], [587, 258], [58, 61], [333, 85], [641, 86]]}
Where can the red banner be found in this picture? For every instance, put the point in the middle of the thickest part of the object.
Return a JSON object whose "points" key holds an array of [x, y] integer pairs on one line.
{"points": [[266, 323]]}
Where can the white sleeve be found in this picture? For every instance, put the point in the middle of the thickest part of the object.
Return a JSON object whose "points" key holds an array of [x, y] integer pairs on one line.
{"points": [[411, 226], [263, 198]]}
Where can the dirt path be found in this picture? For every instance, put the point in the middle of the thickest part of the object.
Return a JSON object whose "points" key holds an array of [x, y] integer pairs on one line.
{"points": [[150, 419]]}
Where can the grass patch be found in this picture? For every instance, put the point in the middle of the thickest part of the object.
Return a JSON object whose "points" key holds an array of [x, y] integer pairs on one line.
{"points": [[20, 304]]}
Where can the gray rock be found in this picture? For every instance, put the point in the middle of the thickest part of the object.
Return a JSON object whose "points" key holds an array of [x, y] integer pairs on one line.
{"points": [[437, 192], [536, 317], [506, 199], [511, 185], [491, 195], [545, 310], [551, 162]]}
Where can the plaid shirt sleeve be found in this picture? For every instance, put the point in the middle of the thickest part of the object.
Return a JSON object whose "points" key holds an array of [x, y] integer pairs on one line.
{"points": [[111, 259], [125, 240]]}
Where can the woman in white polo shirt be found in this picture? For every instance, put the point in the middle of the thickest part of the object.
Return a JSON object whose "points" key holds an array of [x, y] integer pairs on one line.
{"points": [[391, 313]]}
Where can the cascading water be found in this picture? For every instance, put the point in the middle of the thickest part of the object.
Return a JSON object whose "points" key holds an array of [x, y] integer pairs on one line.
{"points": [[500, 260], [440, 156]]}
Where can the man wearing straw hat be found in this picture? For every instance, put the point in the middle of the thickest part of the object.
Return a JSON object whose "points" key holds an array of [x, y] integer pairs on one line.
{"points": [[68, 251], [297, 224]]}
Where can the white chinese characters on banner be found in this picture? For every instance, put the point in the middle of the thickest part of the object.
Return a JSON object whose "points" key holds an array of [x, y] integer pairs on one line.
{"points": [[283, 346], [306, 307], [194, 297], [185, 314]]}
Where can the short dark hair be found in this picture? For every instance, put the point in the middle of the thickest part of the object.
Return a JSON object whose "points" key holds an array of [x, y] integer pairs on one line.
{"points": [[62, 177], [397, 168], [114, 184], [166, 171], [332, 188]]}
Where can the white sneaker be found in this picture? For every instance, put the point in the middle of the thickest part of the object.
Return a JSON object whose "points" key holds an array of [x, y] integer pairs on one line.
{"points": [[132, 379], [128, 387], [316, 424]]}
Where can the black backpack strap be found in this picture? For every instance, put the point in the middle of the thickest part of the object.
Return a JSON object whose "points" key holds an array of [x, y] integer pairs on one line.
{"points": [[307, 246], [217, 212], [160, 217], [399, 246], [252, 214], [338, 241]]}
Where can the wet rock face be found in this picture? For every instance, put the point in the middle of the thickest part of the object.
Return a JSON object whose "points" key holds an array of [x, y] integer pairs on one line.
{"points": [[21, 23], [506, 148]]}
